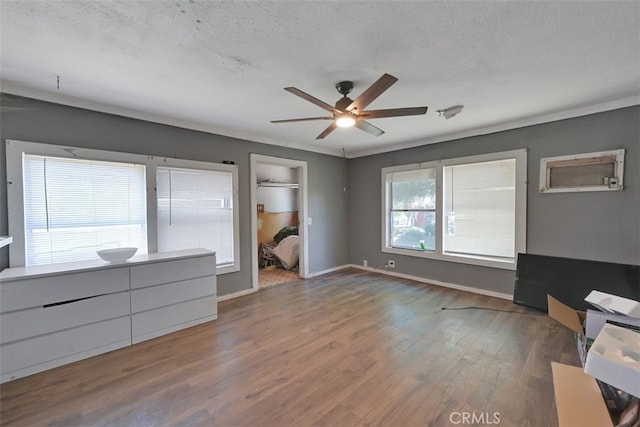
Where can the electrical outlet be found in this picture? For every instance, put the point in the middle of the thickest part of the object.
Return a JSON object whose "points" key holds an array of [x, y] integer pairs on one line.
{"points": [[365, 263], [391, 264]]}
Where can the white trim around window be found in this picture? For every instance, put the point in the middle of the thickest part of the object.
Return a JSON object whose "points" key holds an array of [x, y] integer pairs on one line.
{"points": [[519, 232], [15, 196]]}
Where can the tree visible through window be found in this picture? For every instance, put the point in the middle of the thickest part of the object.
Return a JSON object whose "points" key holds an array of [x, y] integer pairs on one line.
{"points": [[469, 210], [413, 209]]}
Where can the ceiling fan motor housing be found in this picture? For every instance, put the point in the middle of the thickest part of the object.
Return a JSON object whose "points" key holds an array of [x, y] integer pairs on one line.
{"points": [[344, 88]]}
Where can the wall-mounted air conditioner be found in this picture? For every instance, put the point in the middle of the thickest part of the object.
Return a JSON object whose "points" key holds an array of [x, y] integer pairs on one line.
{"points": [[601, 171]]}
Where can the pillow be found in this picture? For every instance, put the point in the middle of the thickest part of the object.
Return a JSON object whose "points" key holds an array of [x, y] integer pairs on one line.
{"points": [[287, 251]]}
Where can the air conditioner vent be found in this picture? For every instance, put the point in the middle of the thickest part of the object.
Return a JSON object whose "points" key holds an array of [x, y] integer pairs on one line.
{"points": [[600, 171]]}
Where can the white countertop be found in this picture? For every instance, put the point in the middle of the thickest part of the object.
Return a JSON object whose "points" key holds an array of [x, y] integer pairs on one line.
{"points": [[5, 240], [17, 273]]}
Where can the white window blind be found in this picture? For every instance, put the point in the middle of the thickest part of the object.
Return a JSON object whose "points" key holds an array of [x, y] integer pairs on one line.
{"points": [[480, 208], [74, 207], [195, 210]]}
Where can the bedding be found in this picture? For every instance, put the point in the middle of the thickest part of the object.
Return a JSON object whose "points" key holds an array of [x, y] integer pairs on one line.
{"points": [[288, 251], [266, 257], [283, 251]]}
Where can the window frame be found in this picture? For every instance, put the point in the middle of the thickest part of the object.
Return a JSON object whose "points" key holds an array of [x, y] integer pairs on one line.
{"points": [[391, 210], [520, 157], [57, 227], [15, 192], [217, 167]]}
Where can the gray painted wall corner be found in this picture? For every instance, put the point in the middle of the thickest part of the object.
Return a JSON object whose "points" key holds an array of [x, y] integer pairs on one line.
{"points": [[62, 125], [602, 226]]}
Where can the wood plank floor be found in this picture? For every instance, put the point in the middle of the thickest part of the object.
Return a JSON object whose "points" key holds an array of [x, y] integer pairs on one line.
{"points": [[345, 350]]}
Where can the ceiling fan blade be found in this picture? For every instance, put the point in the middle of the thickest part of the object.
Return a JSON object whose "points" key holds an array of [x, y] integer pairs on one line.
{"points": [[312, 99], [368, 127], [301, 120], [372, 92], [327, 131], [393, 112]]}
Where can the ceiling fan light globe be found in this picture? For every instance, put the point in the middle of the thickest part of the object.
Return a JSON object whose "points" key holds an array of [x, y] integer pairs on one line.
{"points": [[345, 121]]}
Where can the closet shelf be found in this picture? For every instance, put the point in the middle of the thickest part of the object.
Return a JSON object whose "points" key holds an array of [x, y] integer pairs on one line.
{"points": [[278, 184]]}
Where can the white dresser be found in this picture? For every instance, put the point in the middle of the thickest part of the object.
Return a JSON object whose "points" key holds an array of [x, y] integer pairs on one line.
{"points": [[56, 314]]}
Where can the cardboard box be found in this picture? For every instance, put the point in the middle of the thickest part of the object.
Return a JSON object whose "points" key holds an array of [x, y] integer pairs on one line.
{"points": [[586, 325], [578, 398], [595, 321], [614, 358], [572, 319]]}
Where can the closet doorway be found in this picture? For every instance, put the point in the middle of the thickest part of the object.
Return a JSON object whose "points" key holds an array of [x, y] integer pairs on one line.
{"points": [[278, 220]]}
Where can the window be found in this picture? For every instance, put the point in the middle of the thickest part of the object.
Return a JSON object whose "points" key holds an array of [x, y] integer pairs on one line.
{"points": [[480, 209], [67, 203], [74, 207], [195, 210], [470, 210], [413, 209]]}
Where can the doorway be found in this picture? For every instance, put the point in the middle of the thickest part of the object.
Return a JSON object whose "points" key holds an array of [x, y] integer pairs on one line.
{"points": [[278, 219]]}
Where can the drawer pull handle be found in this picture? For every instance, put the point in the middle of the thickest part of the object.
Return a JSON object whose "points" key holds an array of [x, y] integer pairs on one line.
{"points": [[53, 304]]}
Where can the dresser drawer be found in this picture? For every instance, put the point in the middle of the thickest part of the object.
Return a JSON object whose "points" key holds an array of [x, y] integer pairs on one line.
{"points": [[172, 271], [163, 320], [163, 295], [28, 323], [35, 292], [64, 347]]}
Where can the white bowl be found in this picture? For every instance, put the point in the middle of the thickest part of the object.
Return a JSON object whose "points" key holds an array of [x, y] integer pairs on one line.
{"points": [[117, 255]]}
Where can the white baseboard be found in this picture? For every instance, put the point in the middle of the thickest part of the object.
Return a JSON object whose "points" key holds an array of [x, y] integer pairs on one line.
{"points": [[388, 273], [330, 270], [237, 294], [437, 282]]}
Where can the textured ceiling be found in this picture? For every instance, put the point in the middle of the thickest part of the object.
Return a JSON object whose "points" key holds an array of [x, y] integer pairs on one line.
{"points": [[221, 66]]}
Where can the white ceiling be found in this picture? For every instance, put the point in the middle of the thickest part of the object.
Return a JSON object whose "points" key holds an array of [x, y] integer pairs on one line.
{"points": [[221, 66]]}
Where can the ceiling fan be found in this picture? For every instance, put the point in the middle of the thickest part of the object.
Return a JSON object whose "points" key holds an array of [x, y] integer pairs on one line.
{"points": [[348, 112]]}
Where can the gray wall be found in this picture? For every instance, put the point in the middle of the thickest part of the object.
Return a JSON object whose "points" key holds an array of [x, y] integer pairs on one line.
{"points": [[56, 124], [598, 226], [602, 226]]}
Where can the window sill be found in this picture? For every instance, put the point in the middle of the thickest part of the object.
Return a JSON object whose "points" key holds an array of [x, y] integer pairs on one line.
{"points": [[462, 259], [225, 269]]}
